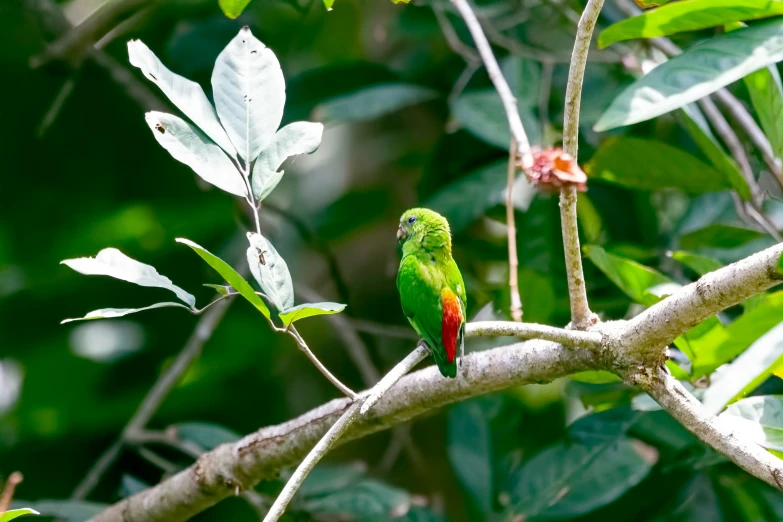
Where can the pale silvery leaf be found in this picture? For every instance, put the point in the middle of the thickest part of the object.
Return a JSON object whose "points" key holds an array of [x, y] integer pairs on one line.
{"points": [[113, 263], [110, 313], [186, 95], [187, 145], [303, 311], [301, 137], [270, 271], [249, 92]]}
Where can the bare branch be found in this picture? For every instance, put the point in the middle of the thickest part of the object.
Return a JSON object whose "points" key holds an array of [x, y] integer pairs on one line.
{"points": [[511, 231], [321, 368], [339, 428], [711, 430], [581, 317]]}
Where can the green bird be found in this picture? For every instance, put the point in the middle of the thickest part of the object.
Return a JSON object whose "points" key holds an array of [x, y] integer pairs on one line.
{"points": [[431, 288]]}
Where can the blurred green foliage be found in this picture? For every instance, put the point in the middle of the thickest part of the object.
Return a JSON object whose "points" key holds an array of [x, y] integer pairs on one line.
{"points": [[402, 128]]}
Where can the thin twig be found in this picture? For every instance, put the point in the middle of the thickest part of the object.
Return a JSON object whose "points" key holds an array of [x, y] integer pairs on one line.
{"points": [[581, 317], [338, 428], [203, 332], [7, 495], [511, 231], [321, 368]]}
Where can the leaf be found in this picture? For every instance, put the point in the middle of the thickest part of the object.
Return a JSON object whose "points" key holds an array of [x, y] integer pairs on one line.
{"points": [[696, 502], [699, 71], [328, 4], [692, 15], [324, 480], [373, 102], [187, 145], [207, 436], [758, 419], [595, 377], [699, 129], [780, 265], [67, 510], [640, 283], [470, 451], [186, 95], [270, 271], [652, 165], [747, 372], [230, 275], [699, 264], [249, 92], [223, 290], [113, 263], [233, 8], [111, 313], [16, 513], [718, 235], [130, 485], [303, 311], [482, 114], [766, 94], [367, 501], [296, 138]]}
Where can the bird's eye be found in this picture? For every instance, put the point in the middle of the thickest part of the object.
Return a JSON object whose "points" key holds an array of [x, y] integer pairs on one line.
{"points": [[411, 220]]}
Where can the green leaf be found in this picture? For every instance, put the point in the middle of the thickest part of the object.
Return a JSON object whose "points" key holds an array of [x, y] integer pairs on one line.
{"points": [[113, 263], [780, 265], [470, 451], [652, 165], [229, 274], [328, 4], [324, 480], [699, 71], [481, 113], [303, 311], [112, 313], [366, 501], [186, 95], [373, 102], [188, 145], [595, 377], [270, 271], [249, 91], [642, 284], [766, 94], [758, 419], [699, 264], [747, 372], [206, 436], [16, 513], [696, 502], [699, 129], [467, 199], [295, 138], [223, 290], [692, 15], [718, 235], [233, 8]]}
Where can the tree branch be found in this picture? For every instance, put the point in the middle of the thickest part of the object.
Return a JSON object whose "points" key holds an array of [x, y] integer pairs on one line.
{"points": [[581, 316], [511, 232]]}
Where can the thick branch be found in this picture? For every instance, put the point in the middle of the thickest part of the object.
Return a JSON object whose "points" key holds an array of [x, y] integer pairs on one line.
{"points": [[715, 432], [581, 317]]}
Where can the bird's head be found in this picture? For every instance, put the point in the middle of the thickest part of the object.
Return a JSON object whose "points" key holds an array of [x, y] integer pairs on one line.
{"points": [[422, 227]]}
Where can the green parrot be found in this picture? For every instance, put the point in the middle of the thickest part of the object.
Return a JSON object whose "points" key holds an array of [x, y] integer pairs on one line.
{"points": [[431, 288]]}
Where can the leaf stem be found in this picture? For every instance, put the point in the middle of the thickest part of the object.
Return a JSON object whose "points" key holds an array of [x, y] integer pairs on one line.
{"points": [[291, 330]]}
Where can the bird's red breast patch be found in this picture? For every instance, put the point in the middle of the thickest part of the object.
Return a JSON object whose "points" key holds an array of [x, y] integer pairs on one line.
{"points": [[452, 320]]}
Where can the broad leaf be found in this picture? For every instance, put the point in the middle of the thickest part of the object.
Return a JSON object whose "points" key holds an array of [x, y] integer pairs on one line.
{"points": [[373, 102], [470, 451], [187, 145], [718, 235], [230, 275], [249, 92], [113, 263], [699, 71], [303, 311], [324, 480], [270, 271], [699, 129], [111, 313], [16, 513], [692, 15], [481, 113], [293, 139], [642, 284], [652, 165], [758, 419], [695, 502], [699, 264], [365, 500], [233, 8], [206, 436], [747, 372], [766, 94], [186, 95]]}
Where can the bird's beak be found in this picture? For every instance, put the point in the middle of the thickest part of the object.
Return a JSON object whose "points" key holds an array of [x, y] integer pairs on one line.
{"points": [[400, 233]]}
